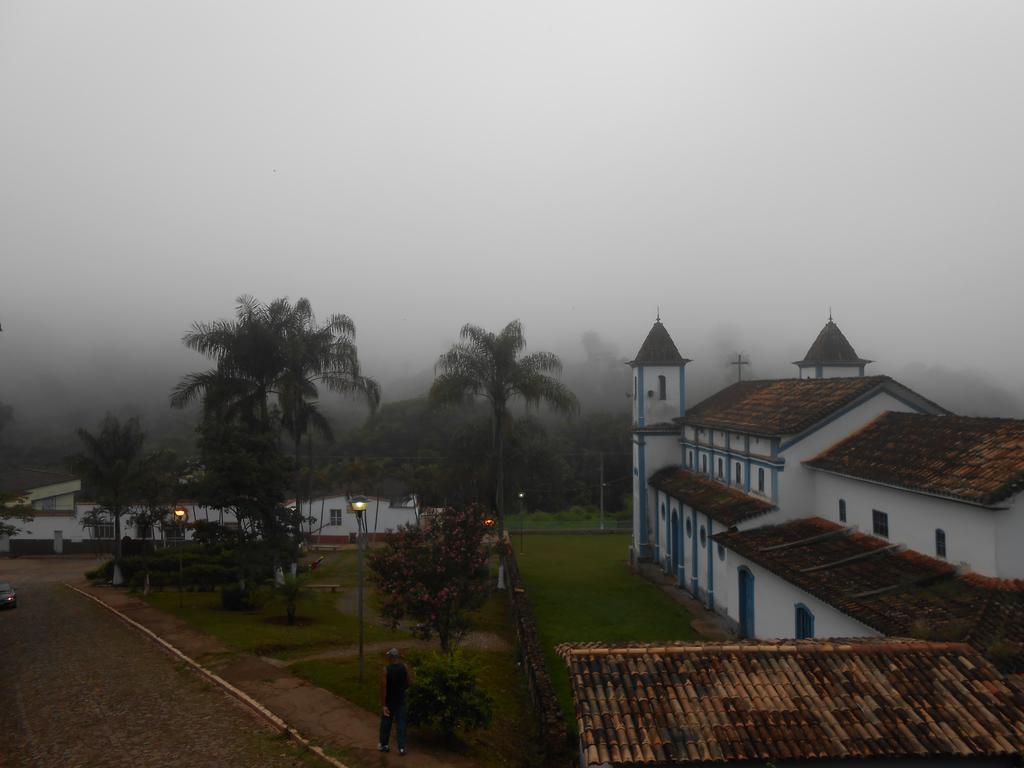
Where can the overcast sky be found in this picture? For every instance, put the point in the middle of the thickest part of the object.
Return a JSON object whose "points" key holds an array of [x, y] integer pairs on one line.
{"points": [[418, 165]]}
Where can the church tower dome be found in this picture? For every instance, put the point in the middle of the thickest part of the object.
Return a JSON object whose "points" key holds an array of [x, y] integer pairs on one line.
{"points": [[831, 356], [658, 379]]}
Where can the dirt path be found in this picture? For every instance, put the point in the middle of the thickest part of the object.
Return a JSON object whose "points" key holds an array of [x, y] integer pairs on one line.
{"points": [[318, 714]]}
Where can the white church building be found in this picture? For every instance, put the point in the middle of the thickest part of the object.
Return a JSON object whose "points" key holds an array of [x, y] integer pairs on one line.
{"points": [[831, 504]]}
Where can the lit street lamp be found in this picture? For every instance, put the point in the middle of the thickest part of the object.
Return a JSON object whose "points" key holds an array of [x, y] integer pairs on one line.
{"points": [[357, 505], [180, 516]]}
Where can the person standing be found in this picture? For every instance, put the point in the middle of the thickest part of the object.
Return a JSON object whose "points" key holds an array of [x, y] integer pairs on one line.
{"points": [[394, 682]]}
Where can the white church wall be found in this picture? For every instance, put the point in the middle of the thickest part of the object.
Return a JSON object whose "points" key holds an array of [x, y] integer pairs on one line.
{"points": [[657, 410], [839, 371], [775, 602], [760, 446], [796, 483], [971, 532], [1009, 537]]}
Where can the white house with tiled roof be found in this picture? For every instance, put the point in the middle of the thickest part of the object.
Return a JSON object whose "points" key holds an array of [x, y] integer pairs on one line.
{"points": [[865, 452]]}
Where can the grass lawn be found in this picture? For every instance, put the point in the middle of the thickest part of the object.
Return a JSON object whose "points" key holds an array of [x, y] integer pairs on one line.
{"points": [[511, 738], [258, 631], [582, 590]]}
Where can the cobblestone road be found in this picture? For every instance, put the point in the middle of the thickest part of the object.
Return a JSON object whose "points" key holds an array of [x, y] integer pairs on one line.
{"points": [[80, 688]]}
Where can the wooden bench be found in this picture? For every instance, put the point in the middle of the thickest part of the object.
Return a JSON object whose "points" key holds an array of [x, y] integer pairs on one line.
{"points": [[332, 587]]}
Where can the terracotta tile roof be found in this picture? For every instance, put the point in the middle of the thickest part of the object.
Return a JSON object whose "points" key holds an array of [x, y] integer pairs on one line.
{"points": [[721, 503], [975, 459], [894, 592], [844, 568], [665, 705], [831, 348], [658, 349], [785, 406], [25, 479]]}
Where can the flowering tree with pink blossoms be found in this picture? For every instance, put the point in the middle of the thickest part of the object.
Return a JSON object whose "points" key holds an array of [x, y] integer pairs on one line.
{"points": [[435, 573]]}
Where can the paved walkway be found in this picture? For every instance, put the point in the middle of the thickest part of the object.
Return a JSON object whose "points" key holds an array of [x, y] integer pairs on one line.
{"points": [[319, 715], [79, 689], [707, 624]]}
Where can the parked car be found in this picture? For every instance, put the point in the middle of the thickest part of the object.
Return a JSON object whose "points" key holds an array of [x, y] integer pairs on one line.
{"points": [[8, 597]]}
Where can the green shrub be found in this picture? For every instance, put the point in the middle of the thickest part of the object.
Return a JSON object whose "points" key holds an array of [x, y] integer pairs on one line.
{"points": [[447, 695], [233, 597], [206, 576]]}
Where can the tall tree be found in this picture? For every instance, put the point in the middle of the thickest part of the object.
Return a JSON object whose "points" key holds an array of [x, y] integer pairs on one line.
{"points": [[493, 366], [110, 465]]}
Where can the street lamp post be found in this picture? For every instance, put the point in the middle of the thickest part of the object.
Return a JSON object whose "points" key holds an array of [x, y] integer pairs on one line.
{"points": [[522, 521], [357, 506], [180, 516]]}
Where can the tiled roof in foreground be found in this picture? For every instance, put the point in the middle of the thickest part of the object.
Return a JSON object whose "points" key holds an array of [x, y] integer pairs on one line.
{"points": [[976, 459], [789, 406], [719, 502], [896, 592], [677, 704]]}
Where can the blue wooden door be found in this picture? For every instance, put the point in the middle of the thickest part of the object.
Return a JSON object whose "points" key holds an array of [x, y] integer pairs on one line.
{"points": [[746, 607]]}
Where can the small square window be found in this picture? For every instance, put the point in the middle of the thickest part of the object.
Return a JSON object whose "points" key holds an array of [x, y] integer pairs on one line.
{"points": [[880, 523], [337, 517]]}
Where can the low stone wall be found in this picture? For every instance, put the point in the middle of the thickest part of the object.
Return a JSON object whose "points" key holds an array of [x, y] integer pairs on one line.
{"points": [[554, 733]]}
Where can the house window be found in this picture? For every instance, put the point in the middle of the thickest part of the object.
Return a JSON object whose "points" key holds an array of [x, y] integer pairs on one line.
{"points": [[760, 479], [49, 504], [143, 532], [739, 473], [661, 387], [880, 523], [689, 459], [703, 536], [721, 553], [173, 532], [804, 622], [704, 464], [689, 528], [842, 510], [103, 531], [720, 469], [940, 543], [337, 517], [662, 511]]}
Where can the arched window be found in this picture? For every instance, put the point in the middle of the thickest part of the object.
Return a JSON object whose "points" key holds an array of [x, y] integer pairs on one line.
{"points": [[703, 536], [804, 622], [721, 553], [663, 511], [719, 469], [940, 543], [689, 459], [661, 387], [704, 463], [739, 473], [760, 479], [842, 510], [689, 528]]}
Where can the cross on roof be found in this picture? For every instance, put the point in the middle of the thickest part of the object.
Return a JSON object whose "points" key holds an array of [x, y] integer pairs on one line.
{"points": [[739, 362]]}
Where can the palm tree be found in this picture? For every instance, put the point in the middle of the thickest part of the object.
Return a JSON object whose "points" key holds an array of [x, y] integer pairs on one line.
{"points": [[110, 465], [488, 365], [275, 350]]}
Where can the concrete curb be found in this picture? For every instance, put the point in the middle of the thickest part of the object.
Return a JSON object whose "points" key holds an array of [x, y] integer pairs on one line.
{"points": [[216, 679]]}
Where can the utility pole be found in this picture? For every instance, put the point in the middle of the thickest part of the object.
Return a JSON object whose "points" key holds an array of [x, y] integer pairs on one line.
{"points": [[602, 490]]}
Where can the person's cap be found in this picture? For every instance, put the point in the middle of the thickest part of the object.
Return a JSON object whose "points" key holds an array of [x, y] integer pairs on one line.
{"points": [[393, 652]]}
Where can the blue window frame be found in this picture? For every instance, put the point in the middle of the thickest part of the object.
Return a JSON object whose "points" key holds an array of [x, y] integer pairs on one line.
{"points": [[804, 622], [760, 479], [720, 469], [704, 463], [739, 473]]}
